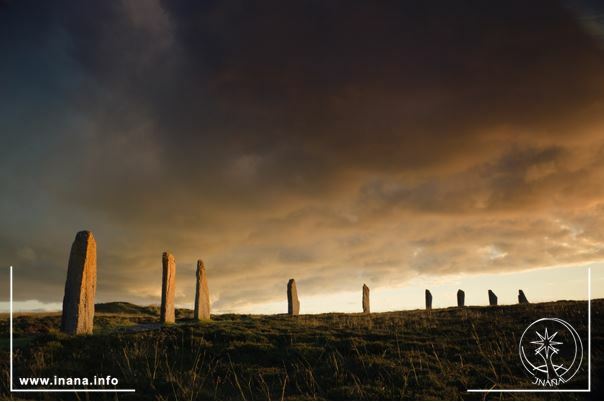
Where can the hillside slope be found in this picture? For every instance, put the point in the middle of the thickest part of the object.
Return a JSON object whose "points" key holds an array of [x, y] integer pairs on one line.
{"points": [[398, 355]]}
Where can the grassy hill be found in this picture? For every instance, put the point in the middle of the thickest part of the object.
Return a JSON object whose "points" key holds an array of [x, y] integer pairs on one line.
{"points": [[397, 355], [125, 308]]}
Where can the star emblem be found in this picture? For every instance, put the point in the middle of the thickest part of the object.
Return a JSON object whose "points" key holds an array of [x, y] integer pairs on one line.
{"points": [[546, 343]]}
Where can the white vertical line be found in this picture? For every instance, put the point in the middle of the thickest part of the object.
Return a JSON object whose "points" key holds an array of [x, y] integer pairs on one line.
{"points": [[486, 391], [11, 325], [589, 328]]}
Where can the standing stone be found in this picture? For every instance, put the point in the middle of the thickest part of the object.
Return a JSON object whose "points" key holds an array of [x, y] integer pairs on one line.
{"points": [[365, 299], [202, 293], [492, 298], [461, 298], [168, 285], [522, 298], [80, 286], [428, 300], [293, 304]]}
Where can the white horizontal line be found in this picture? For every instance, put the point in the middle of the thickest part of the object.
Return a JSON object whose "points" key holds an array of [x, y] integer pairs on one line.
{"points": [[73, 390], [588, 355], [11, 358], [528, 390]]}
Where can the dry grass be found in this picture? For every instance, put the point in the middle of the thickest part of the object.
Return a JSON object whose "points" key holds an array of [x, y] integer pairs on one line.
{"points": [[398, 355]]}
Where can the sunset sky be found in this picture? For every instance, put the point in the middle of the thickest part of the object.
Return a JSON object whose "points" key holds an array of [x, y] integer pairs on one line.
{"points": [[402, 144]]}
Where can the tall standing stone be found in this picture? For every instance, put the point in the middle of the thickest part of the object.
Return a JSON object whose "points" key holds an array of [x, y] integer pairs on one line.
{"points": [[293, 304], [168, 286], [202, 293], [522, 298], [365, 299], [80, 286], [461, 298], [492, 298], [428, 300]]}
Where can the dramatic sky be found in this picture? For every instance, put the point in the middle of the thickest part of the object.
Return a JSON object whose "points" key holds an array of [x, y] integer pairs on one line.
{"points": [[393, 143]]}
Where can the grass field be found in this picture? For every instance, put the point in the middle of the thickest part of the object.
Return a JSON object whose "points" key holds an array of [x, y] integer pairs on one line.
{"points": [[397, 355]]}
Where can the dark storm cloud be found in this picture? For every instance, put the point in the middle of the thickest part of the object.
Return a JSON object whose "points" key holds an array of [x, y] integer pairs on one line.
{"points": [[341, 89], [308, 139], [345, 82]]}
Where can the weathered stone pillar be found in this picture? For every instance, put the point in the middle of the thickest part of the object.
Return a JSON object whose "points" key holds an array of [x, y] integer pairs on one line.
{"points": [[492, 298], [522, 298], [168, 287], [80, 286], [202, 293], [428, 300], [293, 304], [461, 298], [365, 299]]}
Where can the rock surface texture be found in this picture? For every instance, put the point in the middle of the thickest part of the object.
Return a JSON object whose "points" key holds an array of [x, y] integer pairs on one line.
{"points": [[293, 304], [168, 286], [80, 286], [428, 300], [202, 293], [461, 298], [492, 298], [365, 299], [522, 297]]}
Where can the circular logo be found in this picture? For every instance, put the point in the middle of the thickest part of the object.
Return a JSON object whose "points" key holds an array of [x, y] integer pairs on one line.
{"points": [[551, 351]]}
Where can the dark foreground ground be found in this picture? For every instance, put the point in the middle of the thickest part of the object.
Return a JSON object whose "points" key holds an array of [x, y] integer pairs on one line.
{"points": [[399, 355]]}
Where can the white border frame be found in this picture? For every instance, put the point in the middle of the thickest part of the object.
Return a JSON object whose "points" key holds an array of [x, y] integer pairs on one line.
{"points": [[12, 389], [588, 355]]}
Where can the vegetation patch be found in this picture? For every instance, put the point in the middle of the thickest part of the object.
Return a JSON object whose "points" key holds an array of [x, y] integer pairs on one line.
{"points": [[419, 354]]}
